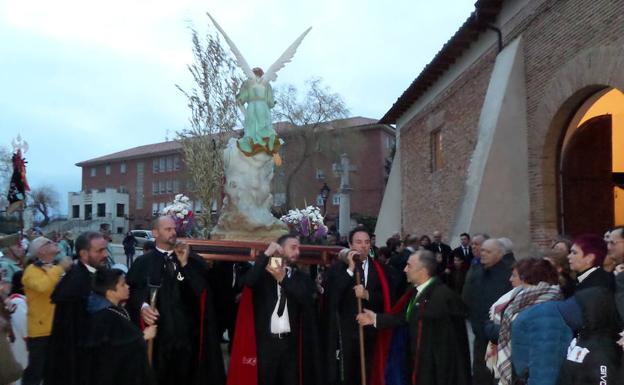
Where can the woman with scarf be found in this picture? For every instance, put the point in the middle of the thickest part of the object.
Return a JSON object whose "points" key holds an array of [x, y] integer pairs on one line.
{"points": [[532, 335]]}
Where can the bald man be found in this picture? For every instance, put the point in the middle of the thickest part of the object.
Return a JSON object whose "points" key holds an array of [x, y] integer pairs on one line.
{"points": [[186, 347], [488, 282]]}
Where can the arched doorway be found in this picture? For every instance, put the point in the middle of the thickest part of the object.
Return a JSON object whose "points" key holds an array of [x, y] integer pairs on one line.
{"points": [[591, 162]]}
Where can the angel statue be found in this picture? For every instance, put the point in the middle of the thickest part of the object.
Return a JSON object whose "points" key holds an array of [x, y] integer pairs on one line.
{"points": [[255, 98]]}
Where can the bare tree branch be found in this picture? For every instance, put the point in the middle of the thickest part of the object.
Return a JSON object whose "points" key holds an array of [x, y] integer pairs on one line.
{"points": [[44, 199], [214, 115], [309, 119]]}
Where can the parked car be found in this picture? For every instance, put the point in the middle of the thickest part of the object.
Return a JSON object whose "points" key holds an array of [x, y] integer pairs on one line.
{"points": [[142, 236]]}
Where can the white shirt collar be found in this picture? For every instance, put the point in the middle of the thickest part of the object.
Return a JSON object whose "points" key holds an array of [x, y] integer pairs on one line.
{"points": [[166, 252], [90, 268], [422, 287], [582, 277]]}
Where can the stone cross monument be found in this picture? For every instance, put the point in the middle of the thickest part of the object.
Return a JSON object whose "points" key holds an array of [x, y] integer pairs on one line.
{"points": [[343, 169]]}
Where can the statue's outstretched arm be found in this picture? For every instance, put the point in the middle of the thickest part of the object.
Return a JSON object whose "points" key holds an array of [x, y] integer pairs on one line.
{"points": [[240, 60], [271, 74]]}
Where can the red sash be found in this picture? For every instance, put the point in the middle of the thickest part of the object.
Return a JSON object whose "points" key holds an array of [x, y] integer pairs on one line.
{"points": [[243, 369], [384, 336]]}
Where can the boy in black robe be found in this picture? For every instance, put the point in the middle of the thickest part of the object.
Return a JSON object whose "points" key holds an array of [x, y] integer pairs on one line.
{"points": [[115, 348]]}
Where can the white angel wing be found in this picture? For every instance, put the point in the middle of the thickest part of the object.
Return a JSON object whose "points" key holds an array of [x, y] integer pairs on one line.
{"points": [[271, 74], [240, 60]]}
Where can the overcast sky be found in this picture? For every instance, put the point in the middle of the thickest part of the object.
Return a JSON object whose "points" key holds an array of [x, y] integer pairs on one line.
{"points": [[81, 79]]}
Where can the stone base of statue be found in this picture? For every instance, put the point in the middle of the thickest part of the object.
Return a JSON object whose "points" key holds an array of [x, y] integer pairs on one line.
{"points": [[246, 211]]}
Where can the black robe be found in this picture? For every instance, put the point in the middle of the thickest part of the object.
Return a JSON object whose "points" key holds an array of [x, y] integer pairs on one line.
{"points": [[437, 344], [64, 360], [299, 291], [115, 351], [186, 347], [342, 338]]}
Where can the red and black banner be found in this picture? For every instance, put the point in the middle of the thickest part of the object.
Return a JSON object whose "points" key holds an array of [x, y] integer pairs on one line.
{"points": [[18, 185]]}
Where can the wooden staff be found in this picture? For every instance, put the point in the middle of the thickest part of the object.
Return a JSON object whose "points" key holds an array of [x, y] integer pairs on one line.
{"points": [[150, 343], [358, 281]]}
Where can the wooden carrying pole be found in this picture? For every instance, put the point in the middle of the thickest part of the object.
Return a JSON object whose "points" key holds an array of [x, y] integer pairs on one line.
{"points": [[358, 281], [150, 342]]}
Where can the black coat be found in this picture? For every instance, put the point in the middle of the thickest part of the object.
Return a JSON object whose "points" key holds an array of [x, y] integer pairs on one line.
{"points": [[598, 334], [444, 249], [115, 351], [619, 294], [299, 290], [597, 278], [342, 327], [458, 251], [438, 343], [225, 281], [186, 316], [481, 289], [64, 362]]}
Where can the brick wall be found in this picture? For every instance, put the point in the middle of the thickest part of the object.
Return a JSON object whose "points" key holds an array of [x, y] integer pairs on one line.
{"points": [[554, 32]]}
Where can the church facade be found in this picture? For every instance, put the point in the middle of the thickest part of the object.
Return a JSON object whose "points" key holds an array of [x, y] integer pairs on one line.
{"points": [[514, 127]]}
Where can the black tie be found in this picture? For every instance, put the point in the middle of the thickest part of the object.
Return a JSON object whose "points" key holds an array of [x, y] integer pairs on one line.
{"points": [[359, 267], [171, 263], [282, 301], [465, 251]]}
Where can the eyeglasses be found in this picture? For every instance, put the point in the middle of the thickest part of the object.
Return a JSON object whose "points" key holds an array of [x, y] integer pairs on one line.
{"points": [[613, 243]]}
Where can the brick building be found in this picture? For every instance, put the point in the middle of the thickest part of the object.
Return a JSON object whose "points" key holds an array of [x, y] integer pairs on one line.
{"points": [[151, 175], [503, 131]]}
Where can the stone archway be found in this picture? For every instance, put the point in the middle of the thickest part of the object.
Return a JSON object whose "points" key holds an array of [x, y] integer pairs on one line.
{"points": [[572, 85]]}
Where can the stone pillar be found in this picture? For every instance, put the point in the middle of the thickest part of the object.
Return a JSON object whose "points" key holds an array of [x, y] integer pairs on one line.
{"points": [[344, 218]]}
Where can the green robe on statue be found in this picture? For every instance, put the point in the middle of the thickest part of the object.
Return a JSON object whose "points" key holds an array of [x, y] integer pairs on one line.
{"points": [[259, 133]]}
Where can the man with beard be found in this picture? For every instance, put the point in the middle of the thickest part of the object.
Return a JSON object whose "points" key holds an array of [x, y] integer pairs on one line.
{"points": [[283, 313], [186, 349], [64, 363]]}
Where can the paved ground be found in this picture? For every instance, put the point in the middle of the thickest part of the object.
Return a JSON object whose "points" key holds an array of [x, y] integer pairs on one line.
{"points": [[118, 253]]}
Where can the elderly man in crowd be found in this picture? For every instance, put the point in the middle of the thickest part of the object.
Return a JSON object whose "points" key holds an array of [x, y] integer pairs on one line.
{"points": [[488, 281], [39, 279], [432, 316]]}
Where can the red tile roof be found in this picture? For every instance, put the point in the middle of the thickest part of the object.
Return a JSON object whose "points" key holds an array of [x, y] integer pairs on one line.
{"points": [[174, 146], [135, 152]]}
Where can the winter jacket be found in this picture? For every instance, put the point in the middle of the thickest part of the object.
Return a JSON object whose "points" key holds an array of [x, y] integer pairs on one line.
{"points": [[598, 335], [38, 284], [540, 339], [482, 288]]}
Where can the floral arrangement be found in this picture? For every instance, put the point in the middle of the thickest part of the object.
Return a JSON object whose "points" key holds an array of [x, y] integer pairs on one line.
{"points": [[307, 223], [181, 211]]}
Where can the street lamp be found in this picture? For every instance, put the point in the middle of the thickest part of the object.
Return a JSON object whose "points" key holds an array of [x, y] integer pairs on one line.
{"points": [[325, 195]]}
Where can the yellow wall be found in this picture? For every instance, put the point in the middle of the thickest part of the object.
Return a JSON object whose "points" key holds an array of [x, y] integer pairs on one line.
{"points": [[613, 103]]}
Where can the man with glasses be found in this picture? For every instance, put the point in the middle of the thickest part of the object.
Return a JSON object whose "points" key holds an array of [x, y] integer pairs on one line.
{"points": [[40, 279]]}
